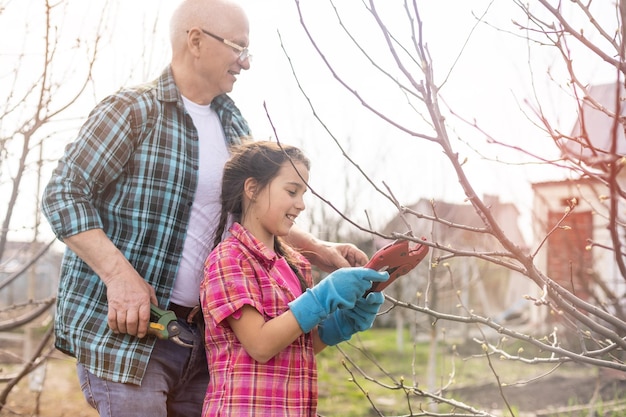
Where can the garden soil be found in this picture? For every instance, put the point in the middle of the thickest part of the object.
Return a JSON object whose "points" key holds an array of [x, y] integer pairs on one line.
{"points": [[61, 395]]}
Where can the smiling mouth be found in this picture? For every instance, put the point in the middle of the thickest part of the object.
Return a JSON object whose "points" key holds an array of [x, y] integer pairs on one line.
{"points": [[291, 217]]}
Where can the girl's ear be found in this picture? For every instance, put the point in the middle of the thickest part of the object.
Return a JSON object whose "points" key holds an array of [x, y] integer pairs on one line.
{"points": [[250, 188]]}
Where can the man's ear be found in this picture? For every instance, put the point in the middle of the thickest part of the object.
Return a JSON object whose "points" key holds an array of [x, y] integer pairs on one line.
{"points": [[250, 188], [194, 37]]}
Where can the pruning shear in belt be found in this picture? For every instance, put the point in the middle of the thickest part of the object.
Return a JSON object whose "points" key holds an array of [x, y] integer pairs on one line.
{"points": [[167, 327], [398, 259]]}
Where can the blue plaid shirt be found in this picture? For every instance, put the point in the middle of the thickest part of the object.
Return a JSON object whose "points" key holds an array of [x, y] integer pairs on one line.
{"points": [[133, 173]]}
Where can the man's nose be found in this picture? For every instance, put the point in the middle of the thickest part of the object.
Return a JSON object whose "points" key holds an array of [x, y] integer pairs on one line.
{"points": [[245, 64]]}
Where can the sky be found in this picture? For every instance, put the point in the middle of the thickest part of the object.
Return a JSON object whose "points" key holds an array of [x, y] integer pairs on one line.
{"points": [[487, 70], [488, 79]]}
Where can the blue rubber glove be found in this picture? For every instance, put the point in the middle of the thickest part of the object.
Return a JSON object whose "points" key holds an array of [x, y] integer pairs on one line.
{"points": [[340, 289], [342, 324]]}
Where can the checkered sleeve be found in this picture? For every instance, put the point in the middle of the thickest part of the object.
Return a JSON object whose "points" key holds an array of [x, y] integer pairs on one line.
{"points": [[228, 285], [88, 166]]}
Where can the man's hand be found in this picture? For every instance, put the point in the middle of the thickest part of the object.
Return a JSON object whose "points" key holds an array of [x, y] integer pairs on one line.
{"points": [[129, 297], [128, 294], [329, 256]]}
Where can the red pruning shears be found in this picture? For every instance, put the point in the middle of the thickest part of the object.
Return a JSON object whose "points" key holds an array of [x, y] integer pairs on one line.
{"points": [[397, 259]]}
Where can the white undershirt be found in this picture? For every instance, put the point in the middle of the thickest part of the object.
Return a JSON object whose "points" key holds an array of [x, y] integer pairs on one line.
{"points": [[206, 207]]}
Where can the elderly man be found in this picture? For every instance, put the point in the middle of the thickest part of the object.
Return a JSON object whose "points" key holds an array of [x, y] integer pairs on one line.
{"points": [[135, 198]]}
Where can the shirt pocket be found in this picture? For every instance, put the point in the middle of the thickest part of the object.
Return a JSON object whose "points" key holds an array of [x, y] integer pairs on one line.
{"points": [[275, 299]]}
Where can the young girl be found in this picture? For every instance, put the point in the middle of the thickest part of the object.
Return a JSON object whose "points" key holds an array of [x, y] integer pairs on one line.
{"points": [[260, 308]]}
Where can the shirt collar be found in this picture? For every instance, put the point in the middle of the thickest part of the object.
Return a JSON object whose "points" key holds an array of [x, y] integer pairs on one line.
{"points": [[168, 91], [266, 256]]}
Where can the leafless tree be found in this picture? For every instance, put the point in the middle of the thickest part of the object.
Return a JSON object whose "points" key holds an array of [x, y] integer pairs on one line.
{"points": [[50, 54], [36, 108], [583, 316], [589, 330]]}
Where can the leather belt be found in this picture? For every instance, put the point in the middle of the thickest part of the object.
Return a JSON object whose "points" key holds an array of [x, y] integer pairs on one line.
{"points": [[188, 314]]}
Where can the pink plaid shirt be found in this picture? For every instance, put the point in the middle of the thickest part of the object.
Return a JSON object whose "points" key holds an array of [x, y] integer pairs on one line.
{"points": [[242, 271]]}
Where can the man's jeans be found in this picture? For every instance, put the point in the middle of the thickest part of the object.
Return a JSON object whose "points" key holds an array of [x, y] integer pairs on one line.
{"points": [[174, 384]]}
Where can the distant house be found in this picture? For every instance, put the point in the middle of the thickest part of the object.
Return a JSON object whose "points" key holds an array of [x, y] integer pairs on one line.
{"points": [[568, 255], [592, 135], [489, 290], [39, 281]]}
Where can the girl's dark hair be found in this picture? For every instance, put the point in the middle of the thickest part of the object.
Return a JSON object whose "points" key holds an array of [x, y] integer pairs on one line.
{"points": [[260, 160]]}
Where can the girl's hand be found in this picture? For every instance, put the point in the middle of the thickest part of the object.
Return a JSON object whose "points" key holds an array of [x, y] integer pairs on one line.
{"points": [[341, 289], [342, 324]]}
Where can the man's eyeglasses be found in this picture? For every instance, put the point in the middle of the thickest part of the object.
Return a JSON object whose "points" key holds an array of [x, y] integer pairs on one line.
{"points": [[244, 53]]}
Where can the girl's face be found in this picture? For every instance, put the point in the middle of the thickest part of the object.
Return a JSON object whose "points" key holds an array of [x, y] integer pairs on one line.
{"points": [[273, 209]]}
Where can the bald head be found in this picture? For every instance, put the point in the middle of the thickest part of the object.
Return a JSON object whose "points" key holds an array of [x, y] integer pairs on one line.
{"points": [[203, 66], [218, 16]]}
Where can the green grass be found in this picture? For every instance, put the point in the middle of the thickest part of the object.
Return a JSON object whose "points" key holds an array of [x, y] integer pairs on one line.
{"points": [[372, 367], [343, 388]]}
